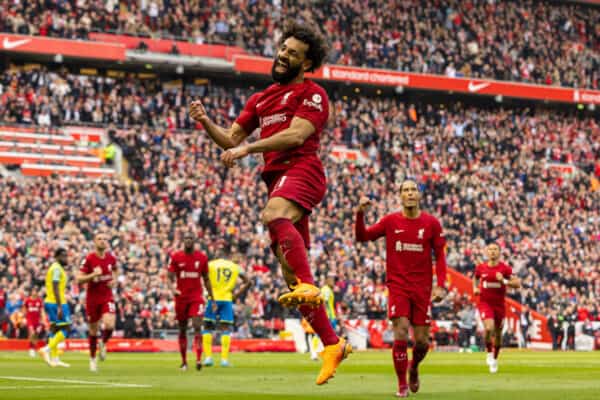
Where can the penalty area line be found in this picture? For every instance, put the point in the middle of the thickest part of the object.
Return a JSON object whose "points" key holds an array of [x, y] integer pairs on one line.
{"points": [[73, 381]]}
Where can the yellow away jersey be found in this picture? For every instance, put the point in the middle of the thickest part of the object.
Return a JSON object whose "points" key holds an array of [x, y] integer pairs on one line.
{"points": [[55, 273], [223, 276], [329, 298]]}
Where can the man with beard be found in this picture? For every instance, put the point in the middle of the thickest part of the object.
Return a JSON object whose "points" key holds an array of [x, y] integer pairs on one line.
{"points": [[291, 115]]}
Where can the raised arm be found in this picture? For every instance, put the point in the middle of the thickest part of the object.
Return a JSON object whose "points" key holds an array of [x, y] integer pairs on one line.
{"points": [[362, 232], [223, 137]]}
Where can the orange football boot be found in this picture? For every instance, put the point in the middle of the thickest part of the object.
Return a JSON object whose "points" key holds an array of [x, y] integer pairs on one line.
{"points": [[301, 294], [332, 357]]}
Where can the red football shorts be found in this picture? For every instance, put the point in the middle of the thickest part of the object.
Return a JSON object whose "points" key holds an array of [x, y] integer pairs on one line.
{"points": [[35, 327], [185, 309], [492, 311], [412, 305], [304, 184], [95, 310]]}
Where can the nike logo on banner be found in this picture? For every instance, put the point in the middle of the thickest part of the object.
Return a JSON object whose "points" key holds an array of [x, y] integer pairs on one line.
{"points": [[473, 88], [8, 45]]}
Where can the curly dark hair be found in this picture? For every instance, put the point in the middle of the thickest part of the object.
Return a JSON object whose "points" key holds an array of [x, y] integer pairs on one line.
{"points": [[309, 34]]}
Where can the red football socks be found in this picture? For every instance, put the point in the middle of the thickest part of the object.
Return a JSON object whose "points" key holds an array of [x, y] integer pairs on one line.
{"points": [[496, 350], [292, 245], [419, 353], [183, 347], [489, 346], [290, 241], [93, 341], [317, 318], [400, 361], [106, 334], [198, 341]]}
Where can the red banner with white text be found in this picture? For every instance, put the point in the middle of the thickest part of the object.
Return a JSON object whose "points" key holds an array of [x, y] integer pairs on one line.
{"points": [[380, 77], [65, 47]]}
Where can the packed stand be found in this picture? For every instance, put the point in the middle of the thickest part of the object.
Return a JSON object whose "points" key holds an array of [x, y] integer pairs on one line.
{"points": [[483, 171], [528, 41]]}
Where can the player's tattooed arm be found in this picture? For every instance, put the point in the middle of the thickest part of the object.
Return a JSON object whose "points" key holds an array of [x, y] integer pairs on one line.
{"points": [[300, 129], [224, 138]]}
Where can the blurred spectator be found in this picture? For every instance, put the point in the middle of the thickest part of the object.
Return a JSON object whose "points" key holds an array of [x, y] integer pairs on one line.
{"points": [[525, 323], [555, 328], [467, 324]]}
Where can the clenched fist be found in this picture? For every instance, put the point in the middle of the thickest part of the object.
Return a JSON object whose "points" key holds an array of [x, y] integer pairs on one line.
{"points": [[364, 204], [197, 111]]}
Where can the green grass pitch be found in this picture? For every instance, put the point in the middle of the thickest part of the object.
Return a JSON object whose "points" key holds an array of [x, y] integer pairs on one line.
{"points": [[365, 375]]}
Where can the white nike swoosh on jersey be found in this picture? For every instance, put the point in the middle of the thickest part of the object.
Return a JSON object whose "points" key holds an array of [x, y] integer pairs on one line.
{"points": [[7, 44], [473, 87], [399, 231]]}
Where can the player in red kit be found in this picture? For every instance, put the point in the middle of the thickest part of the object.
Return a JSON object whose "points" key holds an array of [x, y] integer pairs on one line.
{"points": [[490, 282], [291, 114], [411, 237], [187, 270], [34, 308], [99, 271]]}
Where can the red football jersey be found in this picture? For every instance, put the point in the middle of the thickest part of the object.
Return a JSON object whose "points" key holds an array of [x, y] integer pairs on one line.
{"points": [[410, 244], [33, 310], [189, 269], [98, 289], [273, 109], [492, 289]]}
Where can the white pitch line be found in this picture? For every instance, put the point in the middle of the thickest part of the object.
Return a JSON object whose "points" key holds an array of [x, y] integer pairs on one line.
{"points": [[49, 387], [32, 379]]}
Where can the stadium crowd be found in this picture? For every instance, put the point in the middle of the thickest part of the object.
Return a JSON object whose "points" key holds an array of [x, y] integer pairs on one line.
{"points": [[485, 171], [531, 41]]}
